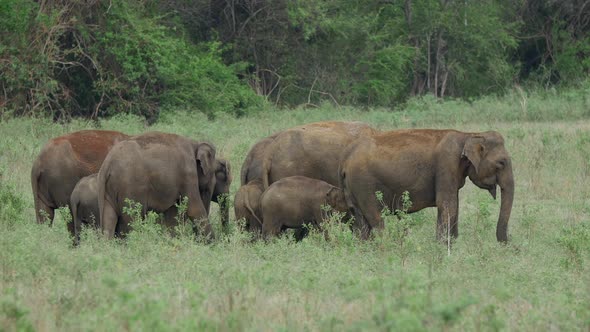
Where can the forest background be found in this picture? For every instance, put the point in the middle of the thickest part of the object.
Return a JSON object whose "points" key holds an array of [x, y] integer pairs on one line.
{"points": [[93, 58]]}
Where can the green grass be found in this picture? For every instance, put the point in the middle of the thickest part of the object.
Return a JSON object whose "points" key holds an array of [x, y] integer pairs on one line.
{"points": [[539, 281]]}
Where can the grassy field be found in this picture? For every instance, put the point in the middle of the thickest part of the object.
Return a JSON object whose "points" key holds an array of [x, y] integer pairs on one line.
{"points": [[539, 281]]}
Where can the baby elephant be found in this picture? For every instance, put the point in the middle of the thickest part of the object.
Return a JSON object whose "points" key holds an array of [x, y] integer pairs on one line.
{"points": [[294, 201], [84, 203], [247, 205]]}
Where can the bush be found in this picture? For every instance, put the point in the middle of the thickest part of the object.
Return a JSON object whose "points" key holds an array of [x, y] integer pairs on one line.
{"points": [[103, 58]]}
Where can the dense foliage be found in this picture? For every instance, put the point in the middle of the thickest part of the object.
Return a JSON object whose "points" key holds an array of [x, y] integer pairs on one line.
{"points": [[96, 58]]}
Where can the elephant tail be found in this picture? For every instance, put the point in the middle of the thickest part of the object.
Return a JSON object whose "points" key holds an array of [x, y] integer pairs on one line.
{"points": [[266, 167], [245, 169], [250, 209], [342, 183], [75, 204], [102, 179], [40, 199]]}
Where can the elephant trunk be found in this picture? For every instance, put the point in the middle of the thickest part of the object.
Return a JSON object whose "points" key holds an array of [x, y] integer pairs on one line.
{"points": [[224, 208], [506, 183]]}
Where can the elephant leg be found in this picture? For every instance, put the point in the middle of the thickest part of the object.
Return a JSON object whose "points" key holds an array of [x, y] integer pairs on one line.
{"points": [[447, 226], [270, 229], [197, 213], [123, 226], [44, 212], [224, 210], [253, 225], [170, 219], [300, 233], [367, 216], [455, 228], [109, 220], [203, 227], [71, 225]]}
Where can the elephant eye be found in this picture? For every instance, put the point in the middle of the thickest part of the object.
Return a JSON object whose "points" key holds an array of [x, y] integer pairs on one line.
{"points": [[501, 164]]}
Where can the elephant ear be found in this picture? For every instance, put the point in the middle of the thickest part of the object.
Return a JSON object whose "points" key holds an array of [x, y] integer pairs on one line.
{"points": [[334, 194], [225, 168], [474, 150], [205, 156]]}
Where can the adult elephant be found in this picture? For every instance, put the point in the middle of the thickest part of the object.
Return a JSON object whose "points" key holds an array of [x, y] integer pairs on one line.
{"points": [[252, 168], [312, 150], [432, 166], [62, 162], [156, 169]]}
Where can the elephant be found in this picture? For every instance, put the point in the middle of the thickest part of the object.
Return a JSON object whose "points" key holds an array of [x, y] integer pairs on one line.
{"points": [[223, 179], [294, 201], [62, 162], [156, 169], [84, 203], [247, 205], [431, 165], [310, 150], [252, 166]]}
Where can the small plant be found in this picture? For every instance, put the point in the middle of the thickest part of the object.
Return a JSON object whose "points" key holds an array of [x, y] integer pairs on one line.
{"points": [[184, 227], [141, 226], [224, 202], [398, 225], [335, 228], [12, 205]]}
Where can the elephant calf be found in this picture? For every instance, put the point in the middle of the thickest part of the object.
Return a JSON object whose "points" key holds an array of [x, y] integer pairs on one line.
{"points": [[247, 205], [294, 201], [84, 203]]}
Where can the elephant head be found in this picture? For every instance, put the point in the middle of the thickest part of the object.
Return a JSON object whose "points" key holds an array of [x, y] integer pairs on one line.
{"points": [[335, 198], [205, 160], [490, 165]]}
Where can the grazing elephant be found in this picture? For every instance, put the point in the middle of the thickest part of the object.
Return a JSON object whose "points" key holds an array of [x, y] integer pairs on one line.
{"points": [[294, 201], [156, 169], [62, 162], [432, 166], [311, 150], [247, 205], [223, 181], [84, 203]]}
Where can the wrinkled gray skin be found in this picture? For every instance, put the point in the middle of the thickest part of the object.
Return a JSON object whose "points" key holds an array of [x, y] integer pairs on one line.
{"points": [[247, 205], [312, 150], [84, 203], [62, 162], [432, 166], [156, 169], [223, 181], [294, 201]]}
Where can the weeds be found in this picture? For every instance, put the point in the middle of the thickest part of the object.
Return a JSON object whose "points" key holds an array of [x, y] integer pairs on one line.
{"points": [[398, 225], [144, 227], [575, 239]]}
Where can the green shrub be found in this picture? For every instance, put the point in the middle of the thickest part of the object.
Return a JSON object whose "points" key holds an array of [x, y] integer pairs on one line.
{"points": [[12, 205]]}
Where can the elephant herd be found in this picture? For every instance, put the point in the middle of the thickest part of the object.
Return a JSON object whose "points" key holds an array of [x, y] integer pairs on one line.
{"points": [[285, 179]]}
